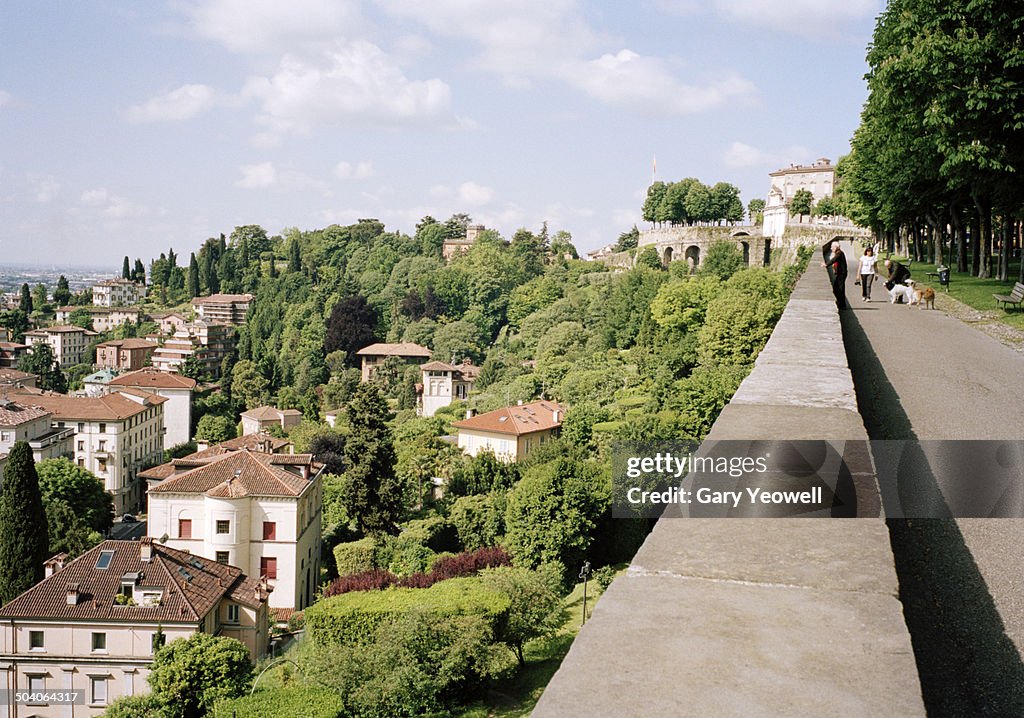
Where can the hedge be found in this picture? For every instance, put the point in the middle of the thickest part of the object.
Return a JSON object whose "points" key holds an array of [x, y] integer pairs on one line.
{"points": [[355, 556], [295, 701], [354, 617]]}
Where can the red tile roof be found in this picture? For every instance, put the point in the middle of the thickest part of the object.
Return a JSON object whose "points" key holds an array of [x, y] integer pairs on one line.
{"points": [[112, 407], [260, 442], [517, 420], [405, 349], [14, 414], [150, 378], [235, 474], [191, 587], [130, 343], [269, 412], [60, 329]]}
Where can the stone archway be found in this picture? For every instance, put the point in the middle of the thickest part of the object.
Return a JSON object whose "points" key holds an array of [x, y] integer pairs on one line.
{"points": [[745, 248], [692, 256], [667, 256]]}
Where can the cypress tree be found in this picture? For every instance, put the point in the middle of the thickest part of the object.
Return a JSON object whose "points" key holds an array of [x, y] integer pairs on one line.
{"points": [[294, 256], [371, 492], [193, 276], [126, 268], [26, 299], [62, 294], [24, 537], [139, 273]]}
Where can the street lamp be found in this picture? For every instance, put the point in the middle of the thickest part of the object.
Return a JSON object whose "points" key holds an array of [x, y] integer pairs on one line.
{"points": [[585, 575]]}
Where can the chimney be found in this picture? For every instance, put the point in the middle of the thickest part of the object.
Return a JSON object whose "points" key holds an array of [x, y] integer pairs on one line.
{"points": [[519, 403], [470, 413], [54, 564], [557, 415], [73, 594], [146, 549]]}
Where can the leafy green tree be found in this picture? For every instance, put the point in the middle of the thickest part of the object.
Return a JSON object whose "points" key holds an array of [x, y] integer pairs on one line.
{"points": [[801, 203], [680, 306], [826, 207], [16, 323], [139, 272], [648, 257], [215, 429], [24, 536], [536, 605], [191, 674], [25, 304], [144, 706], [62, 293], [755, 210], [652, 203], [81, 317], [248, 385], [478, 520], [552, 513], [628, 240], [722, 260], [371, 491], [483, 473], [725, 203], [194, 367], [68, 533], [63, 480], [39, 295], [40, 362], [255, 237], [459, 340], [350, 327], [737, 327]]}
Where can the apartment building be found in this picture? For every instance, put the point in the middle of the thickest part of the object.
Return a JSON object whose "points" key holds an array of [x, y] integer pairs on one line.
{"points": [[67, 341], [25, 422], [124, 354], [375, 355], [104, 318], [224, 308], [117, 292], [175, 388], [93, 624], [253, 509], [444, 383]]}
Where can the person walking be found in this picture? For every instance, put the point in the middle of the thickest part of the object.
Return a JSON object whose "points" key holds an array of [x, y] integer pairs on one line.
{"points": [[837, 264], [868, 270]]}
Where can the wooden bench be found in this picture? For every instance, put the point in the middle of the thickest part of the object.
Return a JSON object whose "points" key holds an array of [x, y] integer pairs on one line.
{"points": [[1015, 297]]}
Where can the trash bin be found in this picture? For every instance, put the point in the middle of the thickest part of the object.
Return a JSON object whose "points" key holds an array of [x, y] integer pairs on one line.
{"points": [[943, 277]]}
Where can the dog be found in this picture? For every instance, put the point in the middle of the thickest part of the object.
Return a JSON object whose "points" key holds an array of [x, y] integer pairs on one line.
{"points": [[926, 298], [904, 291]]}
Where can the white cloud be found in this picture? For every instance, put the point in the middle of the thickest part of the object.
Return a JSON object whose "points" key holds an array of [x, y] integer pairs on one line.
{"points": [[646, 85], [357, 83], [625, 218], [822, 19], [111, 206], [257, 176], [45, 189], [183, 103], [740, 154], [268, 26], [6, 98], [346, 170], [473, 194]]}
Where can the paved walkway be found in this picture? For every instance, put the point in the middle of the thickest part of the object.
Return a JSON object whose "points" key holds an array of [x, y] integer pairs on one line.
{"points": [[924, 375]]}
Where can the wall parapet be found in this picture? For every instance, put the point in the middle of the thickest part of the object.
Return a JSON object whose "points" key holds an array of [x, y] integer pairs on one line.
{"points": [[757, 616]]}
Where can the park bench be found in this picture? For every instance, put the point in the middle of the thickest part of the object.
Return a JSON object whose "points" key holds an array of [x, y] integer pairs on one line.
{"points": [[1014, 297]]}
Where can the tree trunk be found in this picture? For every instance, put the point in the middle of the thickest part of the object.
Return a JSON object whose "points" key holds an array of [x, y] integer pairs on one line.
{"points": [[975, 244], [961, 241], [1006, 227]]}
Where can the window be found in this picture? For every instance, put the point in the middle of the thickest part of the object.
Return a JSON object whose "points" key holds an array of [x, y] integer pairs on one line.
{"points": [[98, 690], [81, 462], [222, 557], [81, 428], [101, 465], [35, 640], [103, 428], [232, 613], [99, 642], [185, 528], [102, 446], [270, 531], [5, 436], [37, 684], [81, 446], [223, 526], [103, 562], [268, 567]]}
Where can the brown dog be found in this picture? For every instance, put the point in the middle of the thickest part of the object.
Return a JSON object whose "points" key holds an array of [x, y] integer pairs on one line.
{"points": [[927, 298]]}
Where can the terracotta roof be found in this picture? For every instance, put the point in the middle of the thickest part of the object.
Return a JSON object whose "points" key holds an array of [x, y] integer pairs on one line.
{"points": [[191, 587], [234, 474], [467, 370], [517, 420], [132, 343], [12, 345], [405, 349], [223, 299], [163, 315], [9, 376], [60, 329], [13, 413], [150, 378], [269, 412], [112, 407]]}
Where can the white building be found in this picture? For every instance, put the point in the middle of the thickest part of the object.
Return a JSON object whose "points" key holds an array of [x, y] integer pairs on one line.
{"points": [[67, 341], [115, 436], [175, 388], [224, 308], [512, 432], [255, 510], [103, 318], [264, 418], [444, 383], [93, 624], [117, 293], [24, 422]]}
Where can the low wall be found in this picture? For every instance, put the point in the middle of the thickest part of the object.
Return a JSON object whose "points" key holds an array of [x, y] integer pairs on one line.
{"points": [[777, 617]]}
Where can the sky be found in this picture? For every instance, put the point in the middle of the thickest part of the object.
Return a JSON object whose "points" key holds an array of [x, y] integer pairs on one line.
{"points": [[128, 128]]}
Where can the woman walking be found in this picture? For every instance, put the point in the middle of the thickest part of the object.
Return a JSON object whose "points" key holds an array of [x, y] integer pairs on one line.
{"points": [[868, 271]]}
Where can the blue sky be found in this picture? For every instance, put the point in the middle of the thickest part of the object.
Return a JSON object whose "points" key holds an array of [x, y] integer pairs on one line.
{"points": [[127, 128]]}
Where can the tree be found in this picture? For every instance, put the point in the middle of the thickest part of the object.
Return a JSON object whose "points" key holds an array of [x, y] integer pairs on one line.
{"points": [[191, 674], [193, 276], [755, 210], [826, 207], [24, 537], [350, 327], [648, 257], [16, 323], [215, 429], [371, 492], [536, 608], [459, 340], [62, 294], [294, 256], [248, 385], [328, 447], [725, 203], [68, 533], [627, 240], [62, 480], [81, 317], [722, 260], [40, 362], [39, 295], [25, 304], [126, 268], [652, 203], [801, 203], [139, 272]]}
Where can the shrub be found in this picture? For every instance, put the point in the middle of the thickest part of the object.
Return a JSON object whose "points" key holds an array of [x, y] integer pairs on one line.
{"points": [[298, 701], [374, 580], [403, 554], [355, 556], [604, 577], [434, 532], [477, 521], [354, 617], [191, 674], [469, 563], [144, 706]]}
